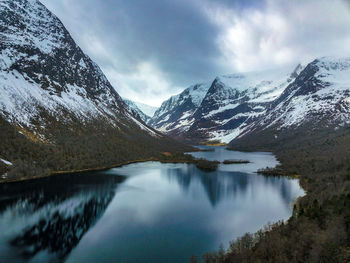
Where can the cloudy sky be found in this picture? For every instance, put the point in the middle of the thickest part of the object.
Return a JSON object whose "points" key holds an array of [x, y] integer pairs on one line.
{"points": [[152, 49]]}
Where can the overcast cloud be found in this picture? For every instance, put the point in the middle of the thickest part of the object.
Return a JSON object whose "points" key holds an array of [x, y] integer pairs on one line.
{"points": [[152, 49]]}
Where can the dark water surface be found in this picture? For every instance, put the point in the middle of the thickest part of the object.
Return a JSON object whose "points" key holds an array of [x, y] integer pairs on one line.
{"points": [[145, 212]]}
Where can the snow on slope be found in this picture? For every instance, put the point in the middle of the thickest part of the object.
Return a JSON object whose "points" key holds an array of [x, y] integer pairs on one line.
{"points": [[323, 95], [137, 111], [43, 72], [258, 87], [214, 110], [176, 112], [146, 109], [318, 97], [233, 105], [6, 162], [21, 97], [195, 94], [234, 101], [37, 19]]}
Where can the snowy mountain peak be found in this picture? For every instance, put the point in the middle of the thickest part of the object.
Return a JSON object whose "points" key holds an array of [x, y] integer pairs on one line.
{"points": [[43, 73], [146, 109], [318, 97], [289, 96], [34, 25], [142, 111], [333, 63], [218, 108]]}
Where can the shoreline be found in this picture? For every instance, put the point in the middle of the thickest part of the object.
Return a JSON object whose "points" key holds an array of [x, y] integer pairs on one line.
{"points": [[102, 168], [151, 159], [86, 170]]}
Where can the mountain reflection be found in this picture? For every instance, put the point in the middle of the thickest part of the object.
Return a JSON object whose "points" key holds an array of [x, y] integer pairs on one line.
{"points": [[220, 185], [52, 217]]}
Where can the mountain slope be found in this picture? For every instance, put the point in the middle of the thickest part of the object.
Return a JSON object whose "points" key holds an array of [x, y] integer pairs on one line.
{"points": [[234, 101], [175, 114], [57, 109], [139, 110], [146, 109], [317, 101], [219, 110], [308, 129], [235, 105]]}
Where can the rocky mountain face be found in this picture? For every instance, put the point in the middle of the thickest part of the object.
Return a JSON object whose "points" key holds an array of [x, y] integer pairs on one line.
{"points": [[320, 93], [175, 114], [55, 99], [142, 111], [42, 69], [220, 109], [146, 109], [233, 106], [317, 102]]}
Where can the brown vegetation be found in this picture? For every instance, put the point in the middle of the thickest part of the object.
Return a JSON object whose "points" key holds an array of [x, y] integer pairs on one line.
{"points": [[213, 143], [77, 147], [319, 229]]}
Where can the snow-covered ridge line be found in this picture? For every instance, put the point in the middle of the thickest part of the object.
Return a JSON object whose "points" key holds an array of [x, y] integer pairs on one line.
{"points": [[146, 109], [218, 101], [45, 75], [284, 98], [139, 113]]}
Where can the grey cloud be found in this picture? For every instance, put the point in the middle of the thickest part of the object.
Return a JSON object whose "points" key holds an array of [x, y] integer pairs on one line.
{"points": [[179, 44]]}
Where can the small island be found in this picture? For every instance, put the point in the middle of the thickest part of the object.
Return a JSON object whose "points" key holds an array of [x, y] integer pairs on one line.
{"points": [[235, 161], [206, 165], [202, 164], [276, 171]]}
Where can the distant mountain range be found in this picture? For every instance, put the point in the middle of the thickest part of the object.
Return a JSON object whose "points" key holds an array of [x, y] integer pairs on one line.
{"points": [[143, 110], [58, 111], [232, 106]]}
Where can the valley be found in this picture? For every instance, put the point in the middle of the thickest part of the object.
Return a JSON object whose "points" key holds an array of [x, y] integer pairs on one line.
{"points": [[195, 179]]}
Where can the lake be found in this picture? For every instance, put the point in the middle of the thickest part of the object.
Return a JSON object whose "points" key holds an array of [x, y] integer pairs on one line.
{"points": [[144, 212]]}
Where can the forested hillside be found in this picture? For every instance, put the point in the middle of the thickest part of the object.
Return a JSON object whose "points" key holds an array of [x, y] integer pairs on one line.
{"points": [[58, 111], [319, 230]]}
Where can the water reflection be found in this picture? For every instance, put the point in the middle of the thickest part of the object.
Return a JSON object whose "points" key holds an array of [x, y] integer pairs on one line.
{"points": [[221, 185], [46, 220], [145, 212], [217, 185]]}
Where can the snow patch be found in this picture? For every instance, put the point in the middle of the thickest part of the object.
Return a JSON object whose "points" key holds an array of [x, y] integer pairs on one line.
{"points": [[6, 162]]}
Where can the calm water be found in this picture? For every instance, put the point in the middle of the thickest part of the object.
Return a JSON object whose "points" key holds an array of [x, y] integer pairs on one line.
{"points": [[146, 212]]}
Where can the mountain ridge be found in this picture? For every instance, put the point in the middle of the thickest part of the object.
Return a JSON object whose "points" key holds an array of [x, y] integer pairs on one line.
{"points": [[58, 111], [143, 111], [242, 95]]}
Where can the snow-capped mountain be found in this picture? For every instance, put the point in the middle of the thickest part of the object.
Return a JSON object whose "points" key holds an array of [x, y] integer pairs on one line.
{"points": [[220, 109], [145, 112], [146, 109], [42, 69], [55, 95], [319, 97], [175, 114], [236, 105], [316, 105]]}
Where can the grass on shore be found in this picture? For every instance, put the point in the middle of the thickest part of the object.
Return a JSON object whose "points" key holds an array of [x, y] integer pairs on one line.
{"points": [[213, 143], [164, 157]]}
